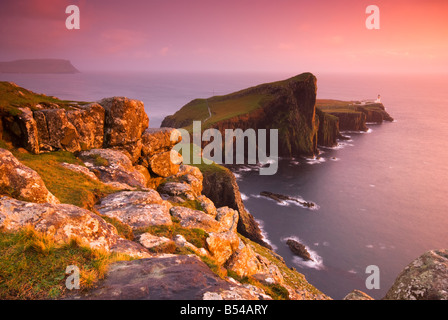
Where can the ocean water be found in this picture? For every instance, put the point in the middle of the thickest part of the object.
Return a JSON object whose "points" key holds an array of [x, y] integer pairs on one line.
{"points": [[381, 196]]}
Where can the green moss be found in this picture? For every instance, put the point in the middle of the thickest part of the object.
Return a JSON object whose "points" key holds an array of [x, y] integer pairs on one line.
{"points": [[123, 229], [68, 186], [32, 265], [195, 236]]}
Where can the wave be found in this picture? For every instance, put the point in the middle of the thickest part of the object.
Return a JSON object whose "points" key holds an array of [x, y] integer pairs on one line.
{"points": [[317, 263], [297, 201], [264, 234], [243, 196]]}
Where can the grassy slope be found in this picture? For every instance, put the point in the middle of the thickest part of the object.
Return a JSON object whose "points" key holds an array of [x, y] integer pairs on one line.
{"points": [[13, 97], [227, 106]]}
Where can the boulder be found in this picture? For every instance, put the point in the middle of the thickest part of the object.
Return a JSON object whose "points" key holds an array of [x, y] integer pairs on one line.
{"points": [[165, 277], [89, 123], [178, 189], [62, 221], [190, 218], [207, 205], [299, 249], [21, 182], [138, 209], [112, 166], [130, 248], [28, 125], [156, 140], [425, 278], [150, 241], [124, 123], [56, 132], [165, 164], [222, 245]]}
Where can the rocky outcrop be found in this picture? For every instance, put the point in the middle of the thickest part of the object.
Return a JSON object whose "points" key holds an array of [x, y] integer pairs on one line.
{"points": [[112, 166], [166, 277], [21, 182], [357, 295], [124, 123], [351, 121], [136, 209], [425, 278], [281, 198], [328, 132], [288, 106], [38, 66], [220, 186], [62, 221], [89, 123], [299, 249]]}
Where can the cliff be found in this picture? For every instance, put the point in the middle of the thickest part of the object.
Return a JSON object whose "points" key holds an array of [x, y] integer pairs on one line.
{"points": [[288, 106], [38, 66]]}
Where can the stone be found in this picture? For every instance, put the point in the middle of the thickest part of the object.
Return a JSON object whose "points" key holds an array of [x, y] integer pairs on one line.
{"points": [[357, 295], [150, 241], [61, 221], [165, 277], [425, 278], [190, 218], [156, 140], [179, 189], [165, 164], [112, 166], [89, 123], [124, 123], [299, 249], [207, 205], [138, 209], [29, 128], [21, 182], [228, 218], [130, 248], [222, 245], [56, 132], [80, 169]]}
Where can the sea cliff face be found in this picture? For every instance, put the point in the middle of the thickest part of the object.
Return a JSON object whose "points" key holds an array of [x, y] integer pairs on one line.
{"points": [[288, 106]]}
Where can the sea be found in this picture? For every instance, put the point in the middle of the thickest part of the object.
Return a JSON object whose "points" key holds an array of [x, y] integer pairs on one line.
{"points": [[381, 196]]}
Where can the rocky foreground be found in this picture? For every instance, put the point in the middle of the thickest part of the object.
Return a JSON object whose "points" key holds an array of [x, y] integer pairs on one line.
{"points": [[183, 230]]}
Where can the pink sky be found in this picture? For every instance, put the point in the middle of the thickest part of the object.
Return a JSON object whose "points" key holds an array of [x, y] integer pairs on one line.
{"points": [[230, 35]]}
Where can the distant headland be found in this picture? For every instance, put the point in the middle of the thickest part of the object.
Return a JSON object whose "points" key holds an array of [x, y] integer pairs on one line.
{"points": [[38, 66]]}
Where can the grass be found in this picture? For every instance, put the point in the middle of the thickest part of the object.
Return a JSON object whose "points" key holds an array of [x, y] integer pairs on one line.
{"points": [[68, 186], [32, 265], [228, 106], [13, 97], [195, 236]]}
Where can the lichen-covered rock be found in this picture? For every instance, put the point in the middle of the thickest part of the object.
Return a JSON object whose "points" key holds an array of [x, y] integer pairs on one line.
{"points": [[130, 248], [207, 205], [426, 278], [62, 221], [124, 123], [357, 295], [190, 218], [156, 140], [150, 241], [166, 163], [222, 245], [138, 209], [89, 123], [112, 166], [21, 182], [179, 189], [228, 218], [80, 169], [29, 128], [167, 277], [56, 132]]}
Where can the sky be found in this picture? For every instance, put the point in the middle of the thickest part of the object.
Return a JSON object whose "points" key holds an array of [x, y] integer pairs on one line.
{"points": [[230, 35]]}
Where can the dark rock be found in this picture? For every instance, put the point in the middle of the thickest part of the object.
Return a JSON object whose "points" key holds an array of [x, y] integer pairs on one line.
{"points": [[165, 277], [357, 295], [299, 249], [280, 198], [221, 187]]}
